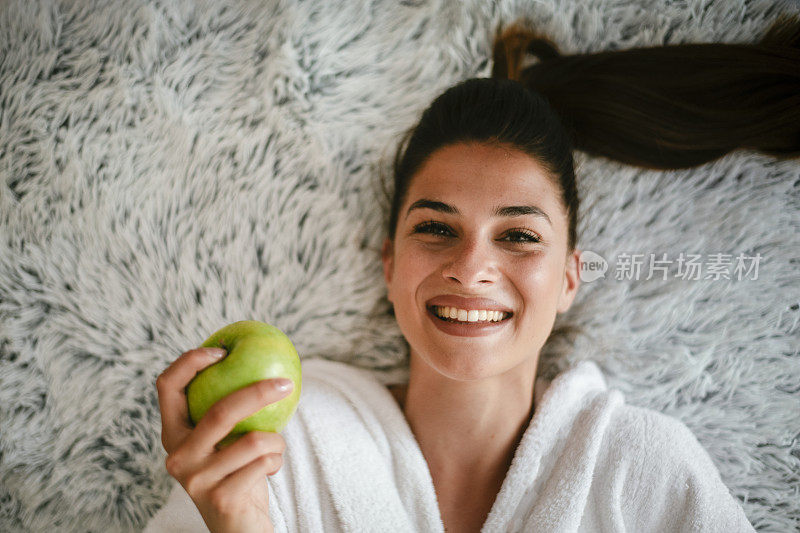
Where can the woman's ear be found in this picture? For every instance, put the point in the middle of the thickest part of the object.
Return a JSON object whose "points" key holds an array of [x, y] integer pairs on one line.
{"points": [[387, 256], [572, 281]]}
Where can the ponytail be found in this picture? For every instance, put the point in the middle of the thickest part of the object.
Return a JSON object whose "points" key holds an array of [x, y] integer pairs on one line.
{"points": [[668, 107]]}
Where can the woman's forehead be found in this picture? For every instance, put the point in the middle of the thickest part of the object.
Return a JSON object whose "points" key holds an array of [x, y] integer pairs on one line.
{"points": [[483, 176]]}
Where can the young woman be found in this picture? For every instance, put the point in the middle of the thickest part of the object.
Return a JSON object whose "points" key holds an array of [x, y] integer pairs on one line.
{"points": [[479, 259]]}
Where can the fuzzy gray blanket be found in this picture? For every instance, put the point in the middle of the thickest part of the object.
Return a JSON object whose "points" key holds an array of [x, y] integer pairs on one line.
{"points": [[169, 167]]}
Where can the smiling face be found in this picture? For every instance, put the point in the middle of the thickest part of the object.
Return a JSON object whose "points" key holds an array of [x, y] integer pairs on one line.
{"points": [[482, 228]]}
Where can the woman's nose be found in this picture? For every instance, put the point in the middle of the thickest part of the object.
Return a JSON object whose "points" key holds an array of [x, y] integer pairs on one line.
{"points": [[471, 263]]}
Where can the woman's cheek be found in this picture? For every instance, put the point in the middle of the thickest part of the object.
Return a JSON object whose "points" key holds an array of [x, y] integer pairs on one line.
{"points": [[423, 259], [547, 277], [532, 267]]}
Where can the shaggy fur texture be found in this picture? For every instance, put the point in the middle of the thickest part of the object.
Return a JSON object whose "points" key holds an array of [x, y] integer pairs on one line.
{"points": [[168, 167]]}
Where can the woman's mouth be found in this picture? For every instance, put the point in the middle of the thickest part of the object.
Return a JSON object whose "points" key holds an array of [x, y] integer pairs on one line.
{"points": [[468, 322]]}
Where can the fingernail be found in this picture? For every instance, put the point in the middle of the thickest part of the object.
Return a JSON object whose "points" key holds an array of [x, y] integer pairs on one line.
{"points": [[282, 384], [216, 352]]}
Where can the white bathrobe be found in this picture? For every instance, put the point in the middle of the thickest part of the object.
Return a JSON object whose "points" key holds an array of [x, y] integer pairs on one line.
{"points": [[587, 462]]}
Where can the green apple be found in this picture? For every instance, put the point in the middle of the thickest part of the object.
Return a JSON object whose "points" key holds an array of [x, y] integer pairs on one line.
{"points": [[255, 351]]}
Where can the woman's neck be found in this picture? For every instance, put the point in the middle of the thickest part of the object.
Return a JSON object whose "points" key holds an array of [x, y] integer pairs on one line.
{"points": [[468, 430]]}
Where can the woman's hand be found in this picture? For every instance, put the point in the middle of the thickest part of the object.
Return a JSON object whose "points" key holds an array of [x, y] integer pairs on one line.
{"points": [[227, 485]]}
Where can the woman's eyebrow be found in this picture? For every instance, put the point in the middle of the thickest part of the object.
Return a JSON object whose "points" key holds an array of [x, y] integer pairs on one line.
{"points": [[519, 210], [505, 211]]}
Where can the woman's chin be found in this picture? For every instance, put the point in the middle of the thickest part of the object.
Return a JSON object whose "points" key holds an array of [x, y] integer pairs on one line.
{"points": [[465, 366]]}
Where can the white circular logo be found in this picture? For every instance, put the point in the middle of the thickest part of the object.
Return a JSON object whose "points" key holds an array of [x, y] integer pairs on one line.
{"points": [[593, 266]]}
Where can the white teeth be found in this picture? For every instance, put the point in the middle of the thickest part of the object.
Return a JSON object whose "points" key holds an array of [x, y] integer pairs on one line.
{"points": [[472, 315]]}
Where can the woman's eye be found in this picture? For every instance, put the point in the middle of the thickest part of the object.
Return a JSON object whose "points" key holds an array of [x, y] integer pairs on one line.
{"points": [[518, 236], [434, 228]]}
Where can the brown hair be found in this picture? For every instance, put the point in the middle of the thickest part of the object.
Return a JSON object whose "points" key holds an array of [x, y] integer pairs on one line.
{"points": [[665, 107], [668, 107]]}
